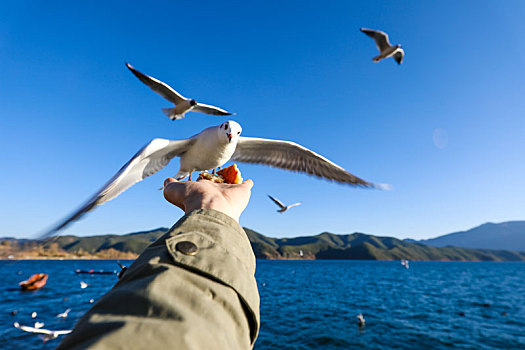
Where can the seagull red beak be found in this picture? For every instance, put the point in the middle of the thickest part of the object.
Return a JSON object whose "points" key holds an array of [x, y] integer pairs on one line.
{"points": [[229, 137]]}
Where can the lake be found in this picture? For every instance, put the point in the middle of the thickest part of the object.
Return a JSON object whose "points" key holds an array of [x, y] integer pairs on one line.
{"points": [[313, 304]]}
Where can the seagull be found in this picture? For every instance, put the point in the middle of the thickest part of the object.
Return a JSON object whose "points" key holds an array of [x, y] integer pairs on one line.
{"points": [[282, 206], [385, 48], [182, 104], [360, 320], [209, 149], [39, 325], [48, 334], [65, 313], [83, 285], [33, 314]]}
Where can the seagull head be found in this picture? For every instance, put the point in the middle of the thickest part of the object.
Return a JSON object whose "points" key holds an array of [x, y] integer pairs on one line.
{"points": [[230, 131], [193, 103]]}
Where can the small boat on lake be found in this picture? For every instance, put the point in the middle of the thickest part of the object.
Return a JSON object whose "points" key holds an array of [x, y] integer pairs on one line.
{"points": [[96, 272], [37, 281]]}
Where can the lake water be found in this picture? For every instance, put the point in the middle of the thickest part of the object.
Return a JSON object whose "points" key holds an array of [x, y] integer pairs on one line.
{"points": [[313, 304]]}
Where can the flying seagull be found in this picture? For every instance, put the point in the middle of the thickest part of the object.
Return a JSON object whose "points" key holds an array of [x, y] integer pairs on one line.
{"points": [[182, 104], [209, 149], [282, 206], [385, 48], [64, 314], [48, 334]]}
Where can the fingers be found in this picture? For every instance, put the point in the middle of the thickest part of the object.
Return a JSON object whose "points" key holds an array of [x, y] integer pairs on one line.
{"points": [[174, 192], [248, 183]]}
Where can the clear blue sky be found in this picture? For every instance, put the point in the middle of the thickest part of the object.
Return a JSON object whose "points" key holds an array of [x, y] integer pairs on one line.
{"points": [[71, 114]]}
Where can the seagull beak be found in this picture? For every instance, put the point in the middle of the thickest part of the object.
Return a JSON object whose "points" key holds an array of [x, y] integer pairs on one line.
{"points": [[229, 137]]}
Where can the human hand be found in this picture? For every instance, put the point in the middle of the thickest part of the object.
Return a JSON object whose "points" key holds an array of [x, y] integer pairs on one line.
{"points": [[205, 194]]}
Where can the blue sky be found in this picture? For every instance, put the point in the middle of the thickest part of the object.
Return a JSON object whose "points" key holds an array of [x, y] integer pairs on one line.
{"points": [[445, 128]]}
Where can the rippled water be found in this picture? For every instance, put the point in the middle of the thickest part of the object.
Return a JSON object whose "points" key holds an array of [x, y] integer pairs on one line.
{"points": [[313, 304]]}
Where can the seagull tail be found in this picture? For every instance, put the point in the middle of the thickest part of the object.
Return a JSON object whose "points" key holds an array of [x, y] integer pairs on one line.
{"points": [[170, 113]]}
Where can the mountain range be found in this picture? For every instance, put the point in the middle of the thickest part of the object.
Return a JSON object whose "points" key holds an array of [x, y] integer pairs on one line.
{"points": [[508, 235], [494, 242]]}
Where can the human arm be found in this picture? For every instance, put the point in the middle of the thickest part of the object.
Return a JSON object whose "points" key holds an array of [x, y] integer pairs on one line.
{"points": [[171, 299]]}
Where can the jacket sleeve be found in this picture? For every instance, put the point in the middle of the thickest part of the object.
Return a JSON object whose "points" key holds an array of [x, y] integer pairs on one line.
{"points": [[194, 288]]}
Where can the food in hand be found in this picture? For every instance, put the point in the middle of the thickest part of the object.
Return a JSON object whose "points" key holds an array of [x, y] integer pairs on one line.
{"points": [[229, 175]]}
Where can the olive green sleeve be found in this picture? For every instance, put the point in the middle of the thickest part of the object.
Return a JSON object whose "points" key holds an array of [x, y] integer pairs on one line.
{"points": [[194, 288]]}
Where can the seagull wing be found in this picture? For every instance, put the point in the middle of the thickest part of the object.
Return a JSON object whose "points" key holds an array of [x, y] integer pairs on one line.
{"points": [[32, 329], [291, 156], [278, 202], [294, 205], [158, 86], [208, 109], [65, 331], [150, 159], [381, 38], [398, 56]]}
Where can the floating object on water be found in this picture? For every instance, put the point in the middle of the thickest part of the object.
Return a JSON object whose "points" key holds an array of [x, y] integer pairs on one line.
{"points": [[360, 320], [39, 325], [83, 285], [37, 281], [48, 334], [14, 312], [404, 263], [33, 314], [91, 301], [64, 314], [282, 206], [95, 272], [461, 313]]}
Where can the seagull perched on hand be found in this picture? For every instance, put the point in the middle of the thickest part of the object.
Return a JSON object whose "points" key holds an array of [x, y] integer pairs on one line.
{"points": [[385, 48], [48, 334], [182, 104], [64, 314], [282, 206], [210, 149]]}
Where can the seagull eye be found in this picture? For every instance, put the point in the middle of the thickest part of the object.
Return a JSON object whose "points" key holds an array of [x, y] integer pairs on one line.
{"points": [[238, 133]]}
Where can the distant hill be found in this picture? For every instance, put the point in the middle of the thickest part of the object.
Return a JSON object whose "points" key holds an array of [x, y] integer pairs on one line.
{"points": [[134, 242], [360, 246], [355, 246], [506, 235]]}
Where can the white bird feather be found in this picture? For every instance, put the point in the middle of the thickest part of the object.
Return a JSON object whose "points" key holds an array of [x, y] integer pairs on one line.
{"points": [[209, 149]]}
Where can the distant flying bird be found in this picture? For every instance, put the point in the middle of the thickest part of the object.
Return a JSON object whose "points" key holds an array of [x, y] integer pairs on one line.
{"points": [[182, 104], [83, 285], [385, 48], [65, 313], [48, 334], [360, 320], [209, 149], [282, 206]]}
